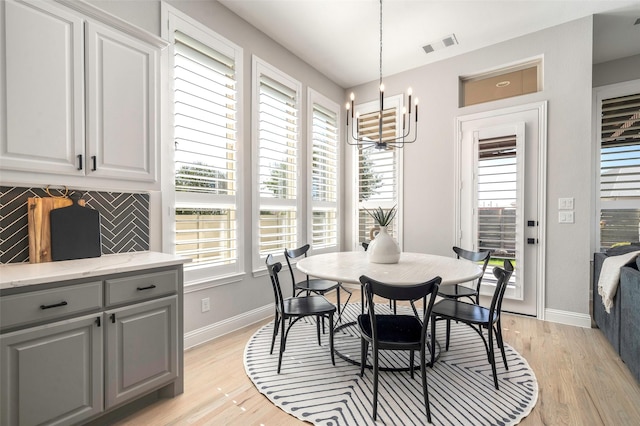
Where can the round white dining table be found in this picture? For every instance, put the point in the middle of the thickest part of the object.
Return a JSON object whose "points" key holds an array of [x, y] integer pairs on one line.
{"points": [[412, 268]]}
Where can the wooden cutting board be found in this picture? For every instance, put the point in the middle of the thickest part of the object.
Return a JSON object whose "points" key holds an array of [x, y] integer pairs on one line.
{"points": [[38, 210]]}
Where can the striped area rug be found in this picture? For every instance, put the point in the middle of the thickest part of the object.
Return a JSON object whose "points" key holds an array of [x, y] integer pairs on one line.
{"points": [[461, 390]]}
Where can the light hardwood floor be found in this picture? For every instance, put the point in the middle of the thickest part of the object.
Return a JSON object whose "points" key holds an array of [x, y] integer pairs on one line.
{"points": [[581, 381]]}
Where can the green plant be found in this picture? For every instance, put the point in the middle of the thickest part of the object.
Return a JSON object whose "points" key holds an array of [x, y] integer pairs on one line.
{"points": [[381, 217]]}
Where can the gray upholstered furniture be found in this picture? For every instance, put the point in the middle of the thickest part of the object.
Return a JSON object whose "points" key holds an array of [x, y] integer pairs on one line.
{"points": [[621, 325]]}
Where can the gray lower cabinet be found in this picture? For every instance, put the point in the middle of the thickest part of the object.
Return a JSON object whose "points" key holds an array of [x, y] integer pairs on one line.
{"points": [[141, 349], [72, 351], [52, 374]]}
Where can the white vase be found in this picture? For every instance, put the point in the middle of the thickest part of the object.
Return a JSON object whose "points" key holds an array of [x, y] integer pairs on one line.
{"points": [[383, 248]]}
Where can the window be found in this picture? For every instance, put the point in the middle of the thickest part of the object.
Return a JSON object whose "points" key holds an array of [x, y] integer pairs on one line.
{"points": [[206, 89], [619, 170], [504, 83], [277, 138], [378, 171], [324, 167]]}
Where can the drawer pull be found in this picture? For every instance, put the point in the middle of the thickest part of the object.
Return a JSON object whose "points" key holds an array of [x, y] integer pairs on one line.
{"points": [[98, 321], [113, 318], [149, 287], [63, 303]]}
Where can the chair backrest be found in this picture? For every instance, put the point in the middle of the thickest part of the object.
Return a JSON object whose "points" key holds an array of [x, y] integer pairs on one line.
{"points": [[474, 256], [274, 267], [396, 292], [292, 254], [365, 246], [503, 276]]}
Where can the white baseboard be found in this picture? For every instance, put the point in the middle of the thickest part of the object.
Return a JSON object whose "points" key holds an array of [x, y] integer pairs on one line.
{"points": [[568, 318], [213, 331]]}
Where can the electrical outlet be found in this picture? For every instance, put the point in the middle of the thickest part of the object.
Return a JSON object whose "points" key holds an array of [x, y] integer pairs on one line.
{"points": [[206, 304]]}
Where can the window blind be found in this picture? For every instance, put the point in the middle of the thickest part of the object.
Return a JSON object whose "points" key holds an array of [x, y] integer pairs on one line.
{"points": [[205, 153], [620, 148], [324, 177], [278, 165], [377, 170], [620, 170]]}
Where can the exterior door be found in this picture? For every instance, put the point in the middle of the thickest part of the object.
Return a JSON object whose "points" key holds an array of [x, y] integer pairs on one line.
{"points": [[501, 200]]}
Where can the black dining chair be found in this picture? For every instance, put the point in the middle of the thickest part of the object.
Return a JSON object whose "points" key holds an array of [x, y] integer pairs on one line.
{"points": [[312, 285], [396, 332], [294, 309], [477, 317], [457, 291]]}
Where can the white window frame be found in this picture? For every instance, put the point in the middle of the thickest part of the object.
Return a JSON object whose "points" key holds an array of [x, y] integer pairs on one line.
{"points": [[204, 276], [315, 98], [600, 94], [395, 101], [259, 68]]}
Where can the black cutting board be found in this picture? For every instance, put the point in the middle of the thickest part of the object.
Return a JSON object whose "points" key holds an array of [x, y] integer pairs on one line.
{"points": [[75, 232]]}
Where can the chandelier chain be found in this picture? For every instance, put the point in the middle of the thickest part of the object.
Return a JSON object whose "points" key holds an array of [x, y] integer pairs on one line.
{"points": [[380, 83]]}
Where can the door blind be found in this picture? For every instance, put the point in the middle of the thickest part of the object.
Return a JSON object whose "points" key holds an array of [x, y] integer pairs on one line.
{"points": [[497, 196]]}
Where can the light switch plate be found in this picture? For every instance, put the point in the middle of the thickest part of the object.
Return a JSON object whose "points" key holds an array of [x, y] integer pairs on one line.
{"points": [[565, 203], [565, 217]]}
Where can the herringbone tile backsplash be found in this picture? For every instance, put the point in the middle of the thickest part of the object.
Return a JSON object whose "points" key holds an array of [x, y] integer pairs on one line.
{"points": [[124, 221]]}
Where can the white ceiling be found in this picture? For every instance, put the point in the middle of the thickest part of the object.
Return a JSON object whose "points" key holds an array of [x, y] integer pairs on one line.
{"points": [[341, 38]]}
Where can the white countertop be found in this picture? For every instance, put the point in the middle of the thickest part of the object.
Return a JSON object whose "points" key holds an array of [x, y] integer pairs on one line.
{"points": [[23, 274]]}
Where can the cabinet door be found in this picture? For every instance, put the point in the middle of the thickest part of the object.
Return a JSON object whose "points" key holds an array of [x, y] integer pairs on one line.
{"points": [[121, 94], [52, 374], [142, 349], [43, 65]]}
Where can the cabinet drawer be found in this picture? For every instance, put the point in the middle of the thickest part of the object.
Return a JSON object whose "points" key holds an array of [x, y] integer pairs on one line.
{"points": [[139, 287], [49, 304]]}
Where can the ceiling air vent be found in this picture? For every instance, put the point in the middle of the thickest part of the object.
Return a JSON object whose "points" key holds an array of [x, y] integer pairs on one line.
{"points": [[446, 41]]}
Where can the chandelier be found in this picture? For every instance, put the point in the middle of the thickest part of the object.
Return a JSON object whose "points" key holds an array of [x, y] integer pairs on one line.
{"points": [[380, 141]]}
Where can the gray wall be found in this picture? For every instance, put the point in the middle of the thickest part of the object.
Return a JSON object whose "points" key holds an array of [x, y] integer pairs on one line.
{"points": [[618, 71], [428, 210]]}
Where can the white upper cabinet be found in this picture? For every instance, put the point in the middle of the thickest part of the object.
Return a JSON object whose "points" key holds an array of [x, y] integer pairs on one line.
{"points": [[82, 96], [44, 68], [121, 105]]}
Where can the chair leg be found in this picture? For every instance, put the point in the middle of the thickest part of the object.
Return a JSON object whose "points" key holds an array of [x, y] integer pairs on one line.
{"points": [[364, 350], [501, 345], [425, 391], [283, 341], [318, 327], [492, 358], [448, 334], [411, 359], [375, 382], [338, 300], [433, 340], [333, 357], [276, 324]]}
